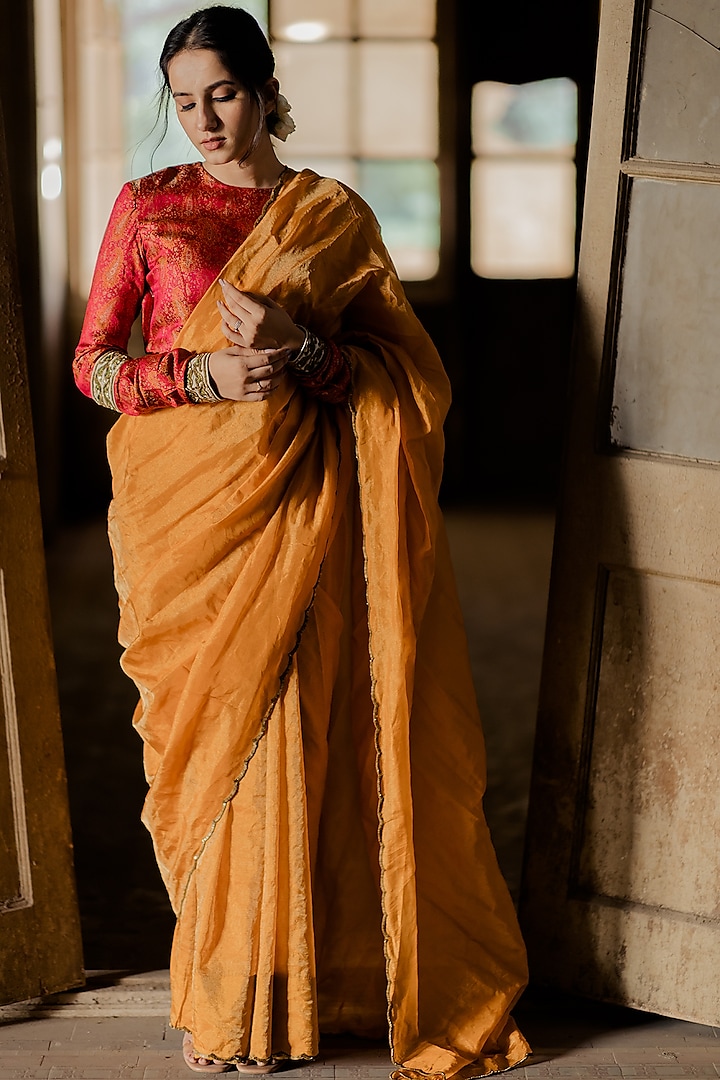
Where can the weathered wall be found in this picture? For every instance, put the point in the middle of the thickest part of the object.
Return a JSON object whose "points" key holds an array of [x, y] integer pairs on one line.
{"points": [[17, 96]]}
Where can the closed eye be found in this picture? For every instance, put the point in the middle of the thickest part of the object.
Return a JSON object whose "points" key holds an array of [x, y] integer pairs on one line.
{"points": [[191, 104]]}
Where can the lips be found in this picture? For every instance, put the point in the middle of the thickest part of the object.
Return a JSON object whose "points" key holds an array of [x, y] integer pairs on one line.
{"points": [[213, 144]]}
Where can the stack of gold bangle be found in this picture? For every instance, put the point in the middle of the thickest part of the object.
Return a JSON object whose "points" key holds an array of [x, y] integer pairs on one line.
{"points": [[103, 375], [199, 386]]}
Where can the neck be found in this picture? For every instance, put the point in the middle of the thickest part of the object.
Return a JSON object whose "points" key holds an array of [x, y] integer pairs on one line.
{"points": [[261, 170]]}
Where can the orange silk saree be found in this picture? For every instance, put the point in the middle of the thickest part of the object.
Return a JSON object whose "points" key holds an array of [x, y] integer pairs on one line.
{"points": [[312, 744]]}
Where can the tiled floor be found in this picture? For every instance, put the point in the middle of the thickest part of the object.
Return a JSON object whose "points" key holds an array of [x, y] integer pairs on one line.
{"points": [[119, 1029], [572, 1038]]}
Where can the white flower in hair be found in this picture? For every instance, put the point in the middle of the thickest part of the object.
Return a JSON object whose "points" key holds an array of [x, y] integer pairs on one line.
{"points": [[285, 124]]}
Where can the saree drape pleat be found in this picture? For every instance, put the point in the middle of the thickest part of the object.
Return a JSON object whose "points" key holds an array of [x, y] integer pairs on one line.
{"points": [[312, 744]]}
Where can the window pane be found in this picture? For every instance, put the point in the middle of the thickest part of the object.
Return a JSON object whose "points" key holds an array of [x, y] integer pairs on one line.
{"points": [[405, 196], [310, 20], [316, 79], [678, 118], [523, 218], [398, 99], [536, 117], [400, 18]]}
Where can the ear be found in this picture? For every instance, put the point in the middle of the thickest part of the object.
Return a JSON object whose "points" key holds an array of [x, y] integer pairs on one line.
{"points": [[270, 93]]}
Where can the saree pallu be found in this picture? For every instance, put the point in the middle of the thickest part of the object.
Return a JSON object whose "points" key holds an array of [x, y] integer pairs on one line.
{"points": [[312, 745]]}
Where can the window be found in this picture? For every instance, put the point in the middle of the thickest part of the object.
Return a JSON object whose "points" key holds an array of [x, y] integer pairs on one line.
{"points": [[523, 179], [361, 76]]}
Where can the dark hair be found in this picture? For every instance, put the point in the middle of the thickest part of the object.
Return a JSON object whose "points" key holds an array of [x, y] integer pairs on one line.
{"points": [[241, 46]]}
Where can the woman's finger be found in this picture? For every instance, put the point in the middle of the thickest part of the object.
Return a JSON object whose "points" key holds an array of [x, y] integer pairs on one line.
{"points": [[240, 303], [232, 320], [260, 392], [234, 312], [264, 377], [265, 366], [257, 356], [254, 358], [245, 329], [250, 303]]}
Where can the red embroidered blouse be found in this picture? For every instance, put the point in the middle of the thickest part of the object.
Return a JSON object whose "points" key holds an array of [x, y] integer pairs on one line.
{"points": [[168, 238]]}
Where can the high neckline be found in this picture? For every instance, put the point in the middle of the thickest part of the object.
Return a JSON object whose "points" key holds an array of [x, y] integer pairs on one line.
{"points": [[213, 180]]}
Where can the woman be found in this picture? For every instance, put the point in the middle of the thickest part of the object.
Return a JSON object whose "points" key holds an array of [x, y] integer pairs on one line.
{"points": [[312, 745]]}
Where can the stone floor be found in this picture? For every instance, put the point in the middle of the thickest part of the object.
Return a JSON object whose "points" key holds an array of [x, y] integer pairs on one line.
{"points": [[117, 1027], [117, 1030]]}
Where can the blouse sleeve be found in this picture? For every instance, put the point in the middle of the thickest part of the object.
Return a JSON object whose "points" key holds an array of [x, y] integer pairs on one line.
{"points": [[102, 368]]}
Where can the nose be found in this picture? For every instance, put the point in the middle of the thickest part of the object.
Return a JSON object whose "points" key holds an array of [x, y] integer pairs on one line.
{"points": [[205, 117]]}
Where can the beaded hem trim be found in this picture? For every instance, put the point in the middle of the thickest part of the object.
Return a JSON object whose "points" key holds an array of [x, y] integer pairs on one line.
{"points": [[102, 378], [198, 383]]}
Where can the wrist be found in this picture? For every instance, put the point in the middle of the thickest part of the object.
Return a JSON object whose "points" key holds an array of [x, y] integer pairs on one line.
{"points": [[296, 339], [199, 384], [311, 356]]}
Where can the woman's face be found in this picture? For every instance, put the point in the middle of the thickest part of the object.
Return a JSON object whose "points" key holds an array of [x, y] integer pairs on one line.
{"points": [[217, 113]]}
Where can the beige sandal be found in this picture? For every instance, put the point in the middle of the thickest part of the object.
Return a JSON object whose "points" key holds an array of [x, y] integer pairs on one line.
{"points": [[195, 1062]]}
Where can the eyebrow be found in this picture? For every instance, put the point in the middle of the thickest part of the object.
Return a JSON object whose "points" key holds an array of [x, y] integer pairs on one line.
{"points": [[212, 86]]}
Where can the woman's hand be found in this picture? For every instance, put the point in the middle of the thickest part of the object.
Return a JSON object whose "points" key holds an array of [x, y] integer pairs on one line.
{"points": [[245, 374], [256, 322], [263, 335]]}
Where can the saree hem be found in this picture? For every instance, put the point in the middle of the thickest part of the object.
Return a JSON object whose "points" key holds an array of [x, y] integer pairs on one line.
{"points": [[516, 1051], [280, 1055], [467, 1073], [378, 765]]}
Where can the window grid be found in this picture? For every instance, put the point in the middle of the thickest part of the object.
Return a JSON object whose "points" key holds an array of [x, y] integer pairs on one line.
{"points": [[416, 217], [523, 179]]}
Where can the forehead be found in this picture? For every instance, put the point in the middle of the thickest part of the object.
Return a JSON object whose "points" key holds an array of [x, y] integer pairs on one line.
{"points": [[194, 69]]}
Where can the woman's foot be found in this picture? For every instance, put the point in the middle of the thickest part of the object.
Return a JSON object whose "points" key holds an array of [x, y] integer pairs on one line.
{"points": [[198, 1063], [208, 1065]]}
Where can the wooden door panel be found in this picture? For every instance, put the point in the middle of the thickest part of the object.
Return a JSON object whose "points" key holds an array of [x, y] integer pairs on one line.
{"points": [[651, 812], [40, 948], [15, 875], [667, 378], [679, 68], [620, 896]]}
